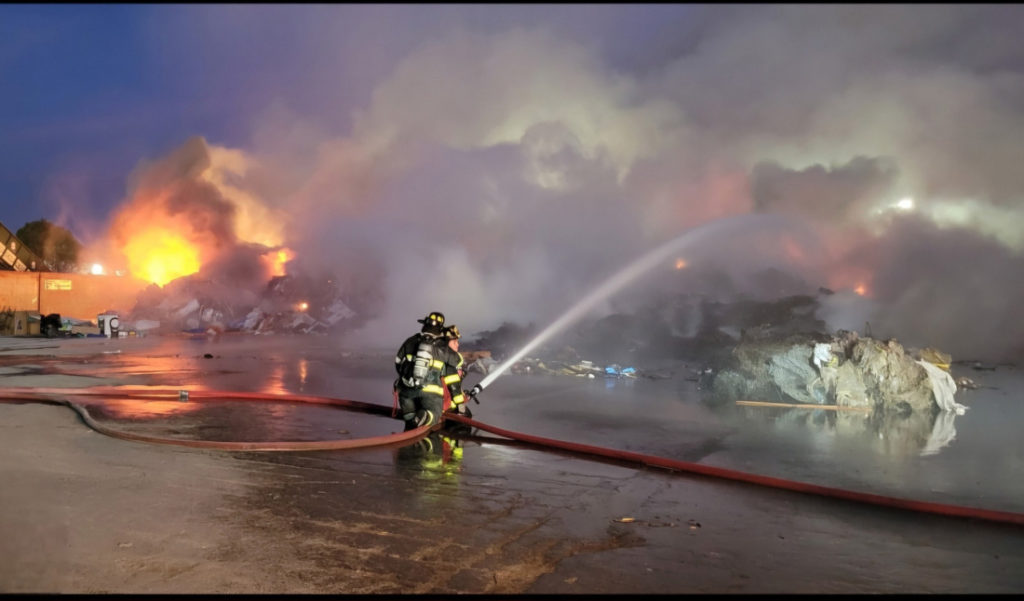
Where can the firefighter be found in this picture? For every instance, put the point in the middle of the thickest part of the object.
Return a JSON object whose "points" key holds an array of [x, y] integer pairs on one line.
{"points": [[454, 399], [420, 361]]}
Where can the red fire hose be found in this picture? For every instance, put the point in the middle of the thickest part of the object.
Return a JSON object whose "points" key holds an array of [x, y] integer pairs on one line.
{"points": [[47, 395], [707, 470]]}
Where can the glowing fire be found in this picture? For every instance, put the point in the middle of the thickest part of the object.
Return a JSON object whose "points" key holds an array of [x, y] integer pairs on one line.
{"points": [[159, 255], [680, 263], [188, 210], [275, 261], [850, 277]]}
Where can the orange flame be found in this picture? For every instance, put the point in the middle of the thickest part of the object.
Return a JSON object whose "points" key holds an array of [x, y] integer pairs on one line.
{"points": [[275, 261], [849, 277], [160, 242], [680, 263], [160, 255]]}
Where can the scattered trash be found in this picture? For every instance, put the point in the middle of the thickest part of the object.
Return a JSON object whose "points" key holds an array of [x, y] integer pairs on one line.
{"points": [[625, 520], [694, 524], [966, 382]]}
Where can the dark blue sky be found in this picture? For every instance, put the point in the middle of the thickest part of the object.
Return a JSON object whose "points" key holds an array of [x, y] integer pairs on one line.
{"points": [[85, 99]]}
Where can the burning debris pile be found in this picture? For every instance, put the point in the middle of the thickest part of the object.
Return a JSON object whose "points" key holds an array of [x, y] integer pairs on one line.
{"points": [[195, 223], [288, 304]]}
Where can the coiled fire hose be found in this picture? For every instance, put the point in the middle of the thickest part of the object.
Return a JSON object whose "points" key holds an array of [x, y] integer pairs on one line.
{"points": [[59, 396]]}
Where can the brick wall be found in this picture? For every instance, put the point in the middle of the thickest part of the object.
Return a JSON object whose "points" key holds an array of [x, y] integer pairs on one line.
{"points": [[81, 296]]}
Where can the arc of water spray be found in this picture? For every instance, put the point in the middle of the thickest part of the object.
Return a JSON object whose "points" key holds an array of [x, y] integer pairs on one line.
{"points": [[618, 281], [609, 287]]}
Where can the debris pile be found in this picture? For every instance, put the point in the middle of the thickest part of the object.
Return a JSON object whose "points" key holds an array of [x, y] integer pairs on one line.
{"points": [[843, 370], [288, 304], [655, 341]]}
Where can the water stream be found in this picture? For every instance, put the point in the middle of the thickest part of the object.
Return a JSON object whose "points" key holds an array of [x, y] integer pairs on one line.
{"points": [[721, 227]]}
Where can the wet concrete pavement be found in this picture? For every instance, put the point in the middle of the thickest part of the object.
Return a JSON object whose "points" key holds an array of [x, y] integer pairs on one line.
{"points": [[503, 518]]}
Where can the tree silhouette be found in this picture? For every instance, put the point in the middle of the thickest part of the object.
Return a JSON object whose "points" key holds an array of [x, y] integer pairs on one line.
{"points": [[55, 245]]}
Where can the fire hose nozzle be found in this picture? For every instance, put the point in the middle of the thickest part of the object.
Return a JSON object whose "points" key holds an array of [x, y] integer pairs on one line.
{"points": [[475, 391]]}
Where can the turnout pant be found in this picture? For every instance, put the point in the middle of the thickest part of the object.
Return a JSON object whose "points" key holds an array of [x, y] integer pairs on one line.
{"points": [[419, 408]]}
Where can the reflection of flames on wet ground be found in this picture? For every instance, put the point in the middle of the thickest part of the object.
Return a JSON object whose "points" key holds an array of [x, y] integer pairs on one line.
{"points": [[143, 408], [225, 420]]}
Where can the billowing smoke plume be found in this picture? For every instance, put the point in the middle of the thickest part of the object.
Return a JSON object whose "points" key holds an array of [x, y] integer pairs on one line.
{"points": [[500, 174]]}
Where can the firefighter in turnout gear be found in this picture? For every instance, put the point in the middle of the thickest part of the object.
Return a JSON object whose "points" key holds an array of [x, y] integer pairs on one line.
{"points": [[454, 399], [420, 363]]}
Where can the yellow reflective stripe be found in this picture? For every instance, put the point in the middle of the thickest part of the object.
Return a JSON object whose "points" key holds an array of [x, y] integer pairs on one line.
{"points": [[437, 363], [452, 379], [408, 357], [434, 388], [398, 359], [458, 399], [460, 360]]}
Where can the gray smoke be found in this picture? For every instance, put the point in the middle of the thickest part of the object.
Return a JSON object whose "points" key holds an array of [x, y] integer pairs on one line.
{"points": [[498, 168]]}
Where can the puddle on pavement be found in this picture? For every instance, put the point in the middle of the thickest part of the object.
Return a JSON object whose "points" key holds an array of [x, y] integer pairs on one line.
{"points": [[239, 420], [970, 459]]}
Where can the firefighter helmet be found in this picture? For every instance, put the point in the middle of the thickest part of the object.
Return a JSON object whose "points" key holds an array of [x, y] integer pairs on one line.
{"points": [[435, 319], [452, 332]]}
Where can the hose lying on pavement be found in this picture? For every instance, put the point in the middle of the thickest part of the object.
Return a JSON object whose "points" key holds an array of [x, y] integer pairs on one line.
{"points": [[47, 395], [719, 472]]}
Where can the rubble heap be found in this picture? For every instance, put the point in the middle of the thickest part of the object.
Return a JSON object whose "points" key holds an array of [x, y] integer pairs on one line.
{"points": [[288, 304], [844, 370]]}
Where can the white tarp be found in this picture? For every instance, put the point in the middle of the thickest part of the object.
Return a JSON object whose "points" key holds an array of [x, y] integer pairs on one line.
{"points": [[822, 354], [944, 387]]}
